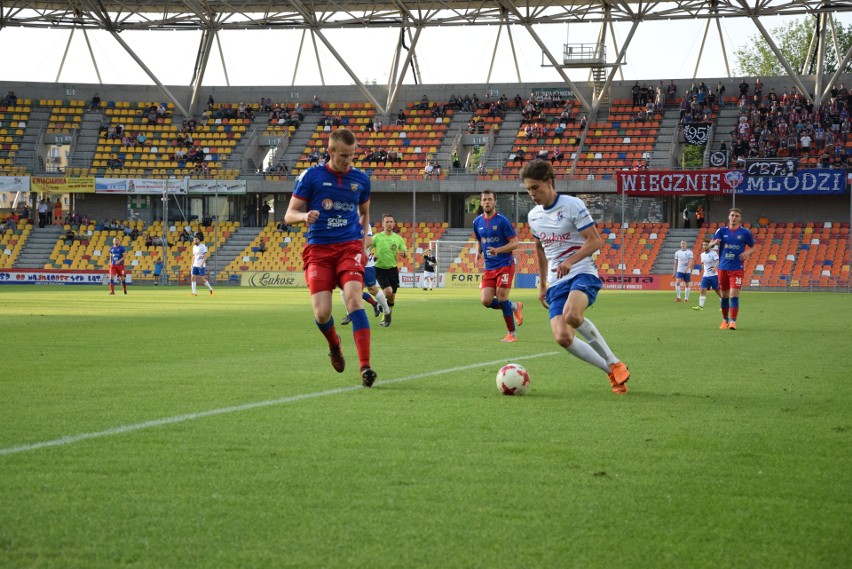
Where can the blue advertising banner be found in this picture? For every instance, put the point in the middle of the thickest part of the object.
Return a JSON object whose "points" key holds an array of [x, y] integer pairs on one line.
{"points": [[805, 182], [812, 182]]}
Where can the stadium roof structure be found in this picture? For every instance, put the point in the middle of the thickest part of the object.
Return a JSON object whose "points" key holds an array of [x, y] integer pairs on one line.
{"points": [[412, 16]]}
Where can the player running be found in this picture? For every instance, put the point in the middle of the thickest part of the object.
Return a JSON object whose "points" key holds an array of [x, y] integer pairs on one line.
{"points": [[736, 245], [566, 238], [495, 241], [334, 201]]}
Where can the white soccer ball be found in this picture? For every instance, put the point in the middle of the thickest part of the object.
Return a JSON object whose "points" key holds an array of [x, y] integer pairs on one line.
{"points": [[513, 379]]}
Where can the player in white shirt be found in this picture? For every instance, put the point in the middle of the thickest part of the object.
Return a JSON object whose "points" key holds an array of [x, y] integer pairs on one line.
{"points": [[710, 279], [199, 263], [566, 238], [682, 271], [380, 303]]}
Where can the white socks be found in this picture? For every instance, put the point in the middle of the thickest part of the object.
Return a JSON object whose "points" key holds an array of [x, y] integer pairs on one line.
{"points": [[585, 352], [677, 290], [596, 341], [701, 300], [382, 300]]}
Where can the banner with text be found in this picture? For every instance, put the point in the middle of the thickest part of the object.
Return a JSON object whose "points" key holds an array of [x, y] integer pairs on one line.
{"points": [[810, 182], [63, 185], [139, 186], [216, 186], [696, 133], [273, 280], [49, 277], [474, 280]]}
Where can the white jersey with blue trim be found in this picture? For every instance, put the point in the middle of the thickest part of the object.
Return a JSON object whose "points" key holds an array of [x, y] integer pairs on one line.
{"points": [[199, 252], [684, 260], [710, 260], [558, 229]]}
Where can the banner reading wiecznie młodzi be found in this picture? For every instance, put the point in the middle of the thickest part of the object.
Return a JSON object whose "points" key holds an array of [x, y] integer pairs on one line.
{"points": [[809, 182]]}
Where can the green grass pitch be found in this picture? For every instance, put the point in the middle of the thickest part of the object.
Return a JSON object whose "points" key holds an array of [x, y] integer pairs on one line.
{"points": [[160, 430]]}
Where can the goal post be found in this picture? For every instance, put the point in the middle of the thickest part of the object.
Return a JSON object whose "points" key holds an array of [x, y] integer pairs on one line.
{"points": [[457, 262]]}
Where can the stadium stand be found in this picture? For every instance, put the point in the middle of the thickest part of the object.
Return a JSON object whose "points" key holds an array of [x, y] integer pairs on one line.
{"points": [[89, 247], [812, 254], [13, 124], [389, 151], [12, 240], [139, 141]]}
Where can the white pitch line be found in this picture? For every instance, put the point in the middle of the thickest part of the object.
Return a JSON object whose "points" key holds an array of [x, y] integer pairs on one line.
{"points": [[121, 429]]}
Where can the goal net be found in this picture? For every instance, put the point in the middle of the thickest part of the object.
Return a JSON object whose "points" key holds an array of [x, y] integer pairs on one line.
{"points": [[459, 258]]}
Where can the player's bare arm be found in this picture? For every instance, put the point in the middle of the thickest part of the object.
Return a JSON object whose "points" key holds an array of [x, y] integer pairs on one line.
{"points": [[748, 252], [541, 259], [592, 242], [296, 213]]}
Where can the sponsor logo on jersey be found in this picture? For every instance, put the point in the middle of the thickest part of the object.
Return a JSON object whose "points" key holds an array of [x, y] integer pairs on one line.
{"points": [[354, 187], [327, 204]]}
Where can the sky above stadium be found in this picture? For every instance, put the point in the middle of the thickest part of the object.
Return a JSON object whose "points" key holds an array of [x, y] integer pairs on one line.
{"points": [[659, 50]]}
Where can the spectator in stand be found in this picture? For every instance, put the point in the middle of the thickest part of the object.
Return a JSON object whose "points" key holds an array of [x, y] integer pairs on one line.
{"points": [[42, 212], [400, 117], [10, 100], [95, 104], [57, 211], [805, 144], [743, 89], [634, 91], [316, 104], [671, 93], [542, 154], [557, 155], [758, 88], [720, 93]]}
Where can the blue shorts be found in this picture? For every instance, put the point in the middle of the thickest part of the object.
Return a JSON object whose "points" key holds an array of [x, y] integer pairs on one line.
{"points": [[369, 276], [710, 283], [557, 295], [199, 271], [684, 276]]}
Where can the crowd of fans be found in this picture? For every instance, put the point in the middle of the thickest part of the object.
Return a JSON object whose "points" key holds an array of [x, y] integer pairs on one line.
{"points": [[780, 125]]}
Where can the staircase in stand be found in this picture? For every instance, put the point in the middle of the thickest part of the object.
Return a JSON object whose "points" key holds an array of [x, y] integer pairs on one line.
{"points": [[664, 263], [39, 246], [229, 250]]}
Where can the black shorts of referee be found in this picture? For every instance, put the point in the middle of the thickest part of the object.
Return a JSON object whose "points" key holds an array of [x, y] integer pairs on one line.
{"points": [[388, 278]]}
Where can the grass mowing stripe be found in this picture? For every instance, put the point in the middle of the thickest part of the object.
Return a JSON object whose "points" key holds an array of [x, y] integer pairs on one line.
{"points": [[62, 441]]}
